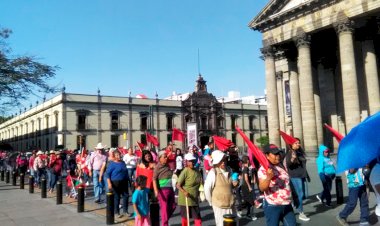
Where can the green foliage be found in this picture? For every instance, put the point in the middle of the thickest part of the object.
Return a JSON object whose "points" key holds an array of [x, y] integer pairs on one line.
{"points": [[21, 76], [263, 141]]}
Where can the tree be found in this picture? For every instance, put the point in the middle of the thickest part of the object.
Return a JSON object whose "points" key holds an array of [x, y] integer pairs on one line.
{"points": [[263, 141], [21, 76]]}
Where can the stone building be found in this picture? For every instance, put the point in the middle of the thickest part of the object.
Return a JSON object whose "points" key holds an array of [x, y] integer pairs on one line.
{"points": [[75, 120], [321, 66]]}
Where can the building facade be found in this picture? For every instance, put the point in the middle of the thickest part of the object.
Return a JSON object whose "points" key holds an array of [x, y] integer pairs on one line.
{"points": [[73, 121], [321, 66]]}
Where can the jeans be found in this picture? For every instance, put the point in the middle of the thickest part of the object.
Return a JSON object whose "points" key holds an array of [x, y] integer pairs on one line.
{"points": [[274, 214], [120, 188], [98, 187], [53, 180], [131, 175], [41, 172], [353, 195], [327, 186], [298, 187]]}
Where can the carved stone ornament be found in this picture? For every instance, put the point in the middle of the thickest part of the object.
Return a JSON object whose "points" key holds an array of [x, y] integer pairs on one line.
{"points": [[302, 40], [279, 75], [267, 51], [344, 26]]}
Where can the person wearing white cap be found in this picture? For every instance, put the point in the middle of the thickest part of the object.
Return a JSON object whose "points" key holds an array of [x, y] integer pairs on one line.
{"points": [[218, 188], [188, 184]]}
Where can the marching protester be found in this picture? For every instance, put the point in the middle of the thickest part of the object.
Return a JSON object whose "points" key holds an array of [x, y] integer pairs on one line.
{"points": [[188, 184], [39, 167], [146, 168], [130, 160], [163, 189], [218, 187], [55, 166], [171, 154], [21, 163], [96, 162], [274, 182], [356, 190], [375, 182], [247, 189], [179, 161], [207, 161], [295, 163], [326, 172], [117, 180], [140, 201], [31, 163]]}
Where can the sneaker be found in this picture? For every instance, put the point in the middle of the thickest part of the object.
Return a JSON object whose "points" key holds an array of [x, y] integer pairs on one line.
{"points": [[120, 216], [341, 221], [87, 183], [252, 217], [303, 217], [319, 199], [239, 214], [364, 223]]}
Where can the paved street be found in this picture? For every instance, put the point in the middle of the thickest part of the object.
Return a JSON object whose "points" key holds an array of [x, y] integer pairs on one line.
{"points": [[18, 207]]}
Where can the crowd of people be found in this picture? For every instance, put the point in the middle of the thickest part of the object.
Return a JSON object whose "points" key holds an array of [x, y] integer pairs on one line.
{"points": [[225, 179]]}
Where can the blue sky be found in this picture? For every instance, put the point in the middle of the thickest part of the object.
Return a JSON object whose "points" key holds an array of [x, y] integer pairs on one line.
{"points": [[142, 46]]}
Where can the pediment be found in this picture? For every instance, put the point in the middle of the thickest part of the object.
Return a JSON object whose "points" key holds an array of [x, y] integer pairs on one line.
{"points": [[273, 11]]}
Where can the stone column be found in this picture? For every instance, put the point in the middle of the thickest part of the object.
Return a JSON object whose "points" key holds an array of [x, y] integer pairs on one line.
{"points": [[371, 75], [306, 93], [317, 104], [349, 77], [280, 99], [295, 100], [272, 107]]}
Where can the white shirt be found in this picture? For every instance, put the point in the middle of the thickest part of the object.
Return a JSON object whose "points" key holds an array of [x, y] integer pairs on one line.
{"points": [[130, 161], [210, 183], [179, 162]]}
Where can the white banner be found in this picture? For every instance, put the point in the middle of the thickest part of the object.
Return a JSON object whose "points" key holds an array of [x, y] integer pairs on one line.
{"points": [[192, 134]]}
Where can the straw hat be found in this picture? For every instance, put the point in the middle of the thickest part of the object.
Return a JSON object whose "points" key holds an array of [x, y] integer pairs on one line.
{"points": [[100, 146], [40, 152]]}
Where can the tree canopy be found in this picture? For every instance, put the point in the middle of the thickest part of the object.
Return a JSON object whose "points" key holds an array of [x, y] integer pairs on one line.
{"points": [[21, 76]]}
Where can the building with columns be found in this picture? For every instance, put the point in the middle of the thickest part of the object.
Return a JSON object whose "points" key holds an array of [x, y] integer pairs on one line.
{"points": [[76, 120], [321, 66]]}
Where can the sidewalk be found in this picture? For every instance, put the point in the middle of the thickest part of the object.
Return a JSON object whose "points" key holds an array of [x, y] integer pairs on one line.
{"points": [[18, 207]]}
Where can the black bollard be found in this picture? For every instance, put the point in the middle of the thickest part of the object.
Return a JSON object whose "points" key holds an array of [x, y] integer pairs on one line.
{"points": [[59, 192], [80, 199], [110, 214], [22, 181], [2, 175], [43, 188], [31, 184], [14, 178], [154, 212], [7, 177], [229, 220], [339, 190]]}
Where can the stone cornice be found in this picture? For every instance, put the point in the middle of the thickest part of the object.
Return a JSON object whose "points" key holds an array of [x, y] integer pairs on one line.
{"points": [[267, 19]]}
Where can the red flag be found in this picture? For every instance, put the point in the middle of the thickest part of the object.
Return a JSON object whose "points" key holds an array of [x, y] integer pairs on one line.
{"points": [[335, 133], [122, 150], [250, 156], [287, 138], [259, 155], [152, 139], [141, 145], [222, 143], [178, 135]]}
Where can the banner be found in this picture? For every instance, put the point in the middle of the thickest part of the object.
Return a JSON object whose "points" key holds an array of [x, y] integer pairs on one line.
{"points": [[288, 99], [192, 134]]}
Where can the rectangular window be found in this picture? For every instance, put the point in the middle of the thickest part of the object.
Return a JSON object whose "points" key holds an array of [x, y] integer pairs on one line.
{"points": [[266, 122], [56, 121], [81, 122], [114, 121], [251, 122], [169, 138], [169, 125], [252, 137], [233, 138], [114, 141], [81, 141], [47, 145], [143, 139], [144, 123], [233, 122], [220, 123], [204, 123]]}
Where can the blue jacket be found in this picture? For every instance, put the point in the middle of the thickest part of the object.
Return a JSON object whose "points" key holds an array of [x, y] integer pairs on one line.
{"points": [[324, 164]]}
